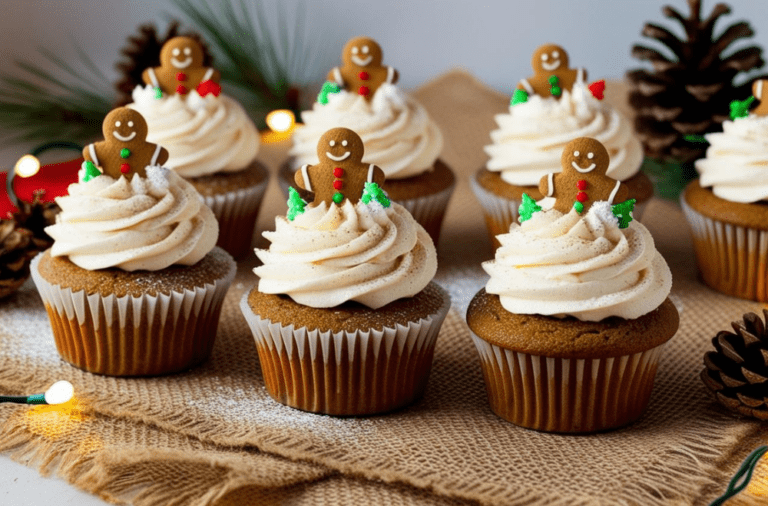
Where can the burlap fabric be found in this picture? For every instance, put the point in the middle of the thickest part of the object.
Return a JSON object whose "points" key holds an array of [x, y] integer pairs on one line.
{"points": [[213, 435]]}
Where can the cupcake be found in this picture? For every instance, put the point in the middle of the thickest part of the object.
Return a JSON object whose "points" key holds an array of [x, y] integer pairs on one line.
{"points": [[727, 207], [345, 315], [399, 135], [133, 284], [211, 141], [575, 315], [543, 117]]}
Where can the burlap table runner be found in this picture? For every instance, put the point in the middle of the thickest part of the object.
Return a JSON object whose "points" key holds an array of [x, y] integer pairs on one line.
{"points": [[213, 435]]}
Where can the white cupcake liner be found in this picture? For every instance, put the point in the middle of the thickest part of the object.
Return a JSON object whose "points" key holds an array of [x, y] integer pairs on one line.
{"points": [[732, 259], [134, 336], [567, 395], [346, 373], [236, 211], [501, 212]]}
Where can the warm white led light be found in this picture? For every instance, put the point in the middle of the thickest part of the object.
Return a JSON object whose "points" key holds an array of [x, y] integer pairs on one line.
{"points": [[280, 120], [27, 166], [59, 393]]}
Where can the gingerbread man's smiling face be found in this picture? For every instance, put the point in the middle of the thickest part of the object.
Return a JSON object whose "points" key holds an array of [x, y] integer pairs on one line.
{"points": [[125, 125], [340, 145], [181, 53], [549, 58], [586, 155], [362, 52]]}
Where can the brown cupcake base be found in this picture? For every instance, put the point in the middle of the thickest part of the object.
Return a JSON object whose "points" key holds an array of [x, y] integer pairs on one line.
{"points": [[374, 369]]}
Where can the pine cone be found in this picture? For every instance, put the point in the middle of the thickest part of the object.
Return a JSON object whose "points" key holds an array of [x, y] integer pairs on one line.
{"points": [[689, 93], [35, 217], [738, 371], [142, 52], [15, 255]]}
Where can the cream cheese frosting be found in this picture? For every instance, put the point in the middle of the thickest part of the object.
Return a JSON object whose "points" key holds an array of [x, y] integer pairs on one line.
{"points": [[736, 163], [530, 139], [142, 224], [203, 135], [582, 266], [332, 254], [398, 134]]}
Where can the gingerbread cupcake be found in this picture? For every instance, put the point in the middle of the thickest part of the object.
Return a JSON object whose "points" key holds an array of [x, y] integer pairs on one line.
{"points": [[548, 110], [345, 315], [727, 207], [399, 135], [210, 139], [133, 284], [575, 315]]}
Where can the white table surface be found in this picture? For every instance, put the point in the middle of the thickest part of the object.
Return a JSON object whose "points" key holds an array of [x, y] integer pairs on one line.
{"points": [[23, 486]]}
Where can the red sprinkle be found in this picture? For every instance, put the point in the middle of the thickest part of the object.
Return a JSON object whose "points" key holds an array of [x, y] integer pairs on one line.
{"points": [[125, 168], [597, 88], [581, 196], [363, 91], [338, 184], [363, 75], [181, 76], [581, 184], [338, 172], [181, 89]]}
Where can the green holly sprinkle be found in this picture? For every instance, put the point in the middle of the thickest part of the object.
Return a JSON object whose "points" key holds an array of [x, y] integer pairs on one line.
{"points": [[295, 203], [372, 191], [623, 211], [328, 87], [519, 97], [527, 208], [89, 171], [338, 197], [158, 92], [578, 206], [740, 108], [125, 153]]}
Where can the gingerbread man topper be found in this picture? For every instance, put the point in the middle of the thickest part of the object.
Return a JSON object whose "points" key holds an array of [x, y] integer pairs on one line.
{"points": [[551, 75], [583, 180], [181, 69], [760, 92], [124, 150], [362, 71], [341, 173]]}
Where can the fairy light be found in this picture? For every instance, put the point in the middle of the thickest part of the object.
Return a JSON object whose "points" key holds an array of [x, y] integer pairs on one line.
{"points": [[29, 165], [281, 123], [59, 393]]}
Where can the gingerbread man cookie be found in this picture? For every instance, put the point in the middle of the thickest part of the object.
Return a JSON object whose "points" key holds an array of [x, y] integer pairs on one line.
{"points": [[582, 181], [551, 75], [181, 69], [362, 71], [760, 92], [124, 150], [341, 173]]}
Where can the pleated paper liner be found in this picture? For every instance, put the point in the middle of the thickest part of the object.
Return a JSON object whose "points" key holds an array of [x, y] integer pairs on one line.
{"points": [[732, 259], [346, 373], [500, 212], [567, 395], [134, 336]]}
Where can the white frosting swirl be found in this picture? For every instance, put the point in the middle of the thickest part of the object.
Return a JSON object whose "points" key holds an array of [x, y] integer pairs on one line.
{"points": [[365, 253], [203, 135], [142, 224], [586, 267], [397, 132], [736, 165], [530, 139]]}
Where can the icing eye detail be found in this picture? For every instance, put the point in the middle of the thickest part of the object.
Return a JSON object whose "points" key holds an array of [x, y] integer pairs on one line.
{"points": [[576, 154], [590, 155], [343, 143], [332, 143], [130, 124], [555, 54], [544, 57], [187, 51], [117, 124], [365, 49], [176, 51], [355, 50]]}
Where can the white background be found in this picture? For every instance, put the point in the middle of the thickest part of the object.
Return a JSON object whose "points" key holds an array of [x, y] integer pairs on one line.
{"points": [[493, 39]]}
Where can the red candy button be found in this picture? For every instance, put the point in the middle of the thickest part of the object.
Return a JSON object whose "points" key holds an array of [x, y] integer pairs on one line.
{"points": [[363, 91], [581, 184], [581, 196], [363, 75], [181, 89], [338, 172], [125, 168], [181, 76], [338, 184]]}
